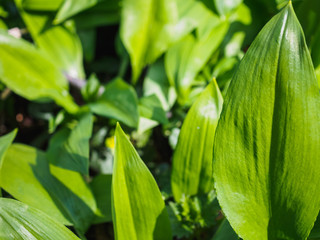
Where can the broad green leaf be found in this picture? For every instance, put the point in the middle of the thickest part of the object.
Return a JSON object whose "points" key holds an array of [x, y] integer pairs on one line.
{"points": [[150, 107], [60, 43], [5, 142], [70, 8], [185, 59], [101, 189], [62, 194], [69, 147], [146, 30], [225, 232], [20, 221], [156, 83], [192, 159], [41, 5], [36, 79], [119, 101], [266, 151], [138, 210]]}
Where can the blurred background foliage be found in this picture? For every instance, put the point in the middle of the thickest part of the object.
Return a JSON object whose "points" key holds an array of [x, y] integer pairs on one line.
{"points": [[71, 68]]}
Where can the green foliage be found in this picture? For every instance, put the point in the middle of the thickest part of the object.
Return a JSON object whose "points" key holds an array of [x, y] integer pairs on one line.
{"points": [[19, 221], [138, 211], [70, 70], [267, 143], [192, 159]]}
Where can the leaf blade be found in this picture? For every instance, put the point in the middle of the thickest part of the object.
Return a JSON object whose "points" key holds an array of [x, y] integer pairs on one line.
{"points": [[138, 211], [268, 136]]}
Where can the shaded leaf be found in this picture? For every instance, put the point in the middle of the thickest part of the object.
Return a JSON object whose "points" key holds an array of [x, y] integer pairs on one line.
{"points": [[69, 147], [119, 101], [36, 79], [192, 159], [60, 193], [20, 221], [101, 189], [266, 150], [150, 107], [225, 232], [138, 210]]}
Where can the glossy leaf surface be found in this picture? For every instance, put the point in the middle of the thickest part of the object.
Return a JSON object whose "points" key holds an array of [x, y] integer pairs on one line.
{"points": [[266, 150], [138, 210], [60, 193], [34, 79], [192, 159], [118, 101], [69, 147], [20, 221]]}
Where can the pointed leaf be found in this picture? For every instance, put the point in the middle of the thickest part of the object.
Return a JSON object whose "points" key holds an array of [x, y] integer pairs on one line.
{"points": [[20, 221], [119, 101], [192, 159], [69, 147], [62, 194], [266, 150], [225, 232], [34, 79], [138, 210], [5, 142]]}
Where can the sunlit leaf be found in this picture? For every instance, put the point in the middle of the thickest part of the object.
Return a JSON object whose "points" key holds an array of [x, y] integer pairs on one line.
{"points": [[5, 142], [60, 193], [138, 210], [224, 7], [20, 221], [41, 5], [266, 151], [69, 147], [192, 159], [60, 43], [36, 79], [118, 101]]}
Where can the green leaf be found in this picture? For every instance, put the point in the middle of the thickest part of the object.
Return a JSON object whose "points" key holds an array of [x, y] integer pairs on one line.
{"points": [[225, 7], [266, 151], [185, 59], [225, 232], [101, 189], [20, 221], [156, 83], [150, 107], [62, 194], [5, 142], [69, 147], [149, 27], [138, 210], [70, 8], [36, 79], [119, 101], [60, 43], [41, 5], [192, 159]]}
